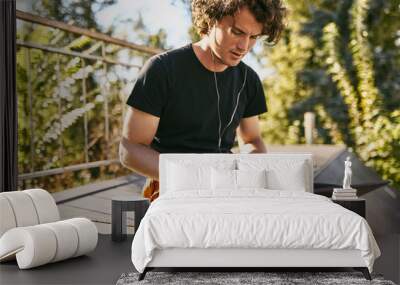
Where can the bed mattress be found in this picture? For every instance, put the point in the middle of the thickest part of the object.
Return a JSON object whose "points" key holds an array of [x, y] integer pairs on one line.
{"points": [[250, 219]]}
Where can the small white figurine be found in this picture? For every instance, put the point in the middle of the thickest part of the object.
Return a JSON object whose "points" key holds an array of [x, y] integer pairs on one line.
{"points": [[347, 174]]}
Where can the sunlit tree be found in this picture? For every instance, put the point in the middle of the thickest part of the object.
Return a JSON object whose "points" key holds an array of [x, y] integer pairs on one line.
{"points": [[341, 60]]}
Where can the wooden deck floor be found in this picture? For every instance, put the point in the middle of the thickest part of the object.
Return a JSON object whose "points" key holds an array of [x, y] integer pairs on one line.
{"points": [[110, 259], [96, 206]]}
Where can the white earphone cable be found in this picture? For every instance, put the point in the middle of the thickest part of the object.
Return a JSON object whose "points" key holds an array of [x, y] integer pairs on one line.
{"points": [[220, 134]]}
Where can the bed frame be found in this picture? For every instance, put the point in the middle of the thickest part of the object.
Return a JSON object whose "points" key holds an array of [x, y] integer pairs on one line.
{"points": [[259, 258], [240, 259]]}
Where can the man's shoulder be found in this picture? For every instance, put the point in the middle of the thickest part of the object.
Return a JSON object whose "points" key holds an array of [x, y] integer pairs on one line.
{"points": [[251, 73], [171, 55]]}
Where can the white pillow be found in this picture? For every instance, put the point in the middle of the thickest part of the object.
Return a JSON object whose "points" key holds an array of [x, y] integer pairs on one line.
{"points": [[293, 180], [237, 179], [186, 174], [251, 178], [223, 179], [282, 174], [181, 177]]}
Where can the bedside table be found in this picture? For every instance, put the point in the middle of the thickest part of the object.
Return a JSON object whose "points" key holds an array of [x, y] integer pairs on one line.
{"points": [[356, 205], [122, 204]]}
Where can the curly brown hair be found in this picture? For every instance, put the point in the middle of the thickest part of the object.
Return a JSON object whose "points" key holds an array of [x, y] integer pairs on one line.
{"points": [[270, 13]]}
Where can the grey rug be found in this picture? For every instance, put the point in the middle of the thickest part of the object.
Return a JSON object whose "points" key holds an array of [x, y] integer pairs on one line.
{"points": [[270, 278]]}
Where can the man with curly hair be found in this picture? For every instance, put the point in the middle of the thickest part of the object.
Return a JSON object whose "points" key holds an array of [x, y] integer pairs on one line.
{"points": [[194, 98]]}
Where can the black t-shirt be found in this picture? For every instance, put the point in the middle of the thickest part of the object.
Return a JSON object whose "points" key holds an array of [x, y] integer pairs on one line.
{"points": [[177, 88]]}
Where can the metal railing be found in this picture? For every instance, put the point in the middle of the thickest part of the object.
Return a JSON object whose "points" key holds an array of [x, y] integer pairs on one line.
{"points": [[103, 39]]}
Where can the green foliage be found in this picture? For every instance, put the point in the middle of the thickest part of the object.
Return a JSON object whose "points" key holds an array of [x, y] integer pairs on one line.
{"points": [[194, 36], [81, 13], [339, 59], [59, 95], [51, 133], [288, 57], [342, 61]]}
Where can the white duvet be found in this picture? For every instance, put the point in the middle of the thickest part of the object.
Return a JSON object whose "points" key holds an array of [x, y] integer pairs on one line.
{"points": [[253, 218]]}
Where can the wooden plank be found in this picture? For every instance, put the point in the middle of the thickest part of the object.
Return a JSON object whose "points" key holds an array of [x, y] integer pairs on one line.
{"points": [[322, 154], [77, 192], [80, 31], [76, 54], [97, 207], [69, 212], [126, 190], [91, 203], [105, 229]]}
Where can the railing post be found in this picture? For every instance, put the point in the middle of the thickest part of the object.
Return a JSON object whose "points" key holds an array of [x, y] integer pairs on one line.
{"points": [[309, 125], [105, 97], [122, 111], [31, 125], [59, 110], [85, 119]]}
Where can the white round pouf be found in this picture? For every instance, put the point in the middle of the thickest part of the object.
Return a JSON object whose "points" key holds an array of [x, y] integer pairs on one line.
{"points": [[7, 218], [67, 240], [33, 246], [87, 234], [23, 208], [31, 233], [45, 205]]}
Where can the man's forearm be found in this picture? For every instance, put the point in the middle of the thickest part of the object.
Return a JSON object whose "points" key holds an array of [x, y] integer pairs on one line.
{"points": [[139, 158], [258, 146]]}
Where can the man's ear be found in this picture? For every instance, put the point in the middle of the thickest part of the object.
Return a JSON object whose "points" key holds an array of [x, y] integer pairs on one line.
{"points": [[211, 24]]}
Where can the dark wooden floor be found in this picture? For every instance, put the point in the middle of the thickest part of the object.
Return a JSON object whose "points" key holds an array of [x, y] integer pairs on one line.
{"points": [[102, 266], [110, 259]]}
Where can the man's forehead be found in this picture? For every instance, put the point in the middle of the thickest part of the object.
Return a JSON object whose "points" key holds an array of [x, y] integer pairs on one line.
{"points": [[245, 21]]}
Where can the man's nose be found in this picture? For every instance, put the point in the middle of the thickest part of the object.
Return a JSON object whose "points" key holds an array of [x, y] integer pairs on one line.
{"points": [[243, 44]]}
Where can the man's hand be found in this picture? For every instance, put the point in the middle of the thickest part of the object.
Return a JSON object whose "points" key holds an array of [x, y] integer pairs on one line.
{"points": [[249, 131], [138, 132]]}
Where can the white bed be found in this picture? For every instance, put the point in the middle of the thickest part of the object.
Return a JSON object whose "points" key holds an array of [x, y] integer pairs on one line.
{"points": [[203, 220]]}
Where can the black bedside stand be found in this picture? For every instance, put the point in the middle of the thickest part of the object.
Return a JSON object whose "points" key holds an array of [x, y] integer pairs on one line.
{"points": [[122, 204], [355, 205]]}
